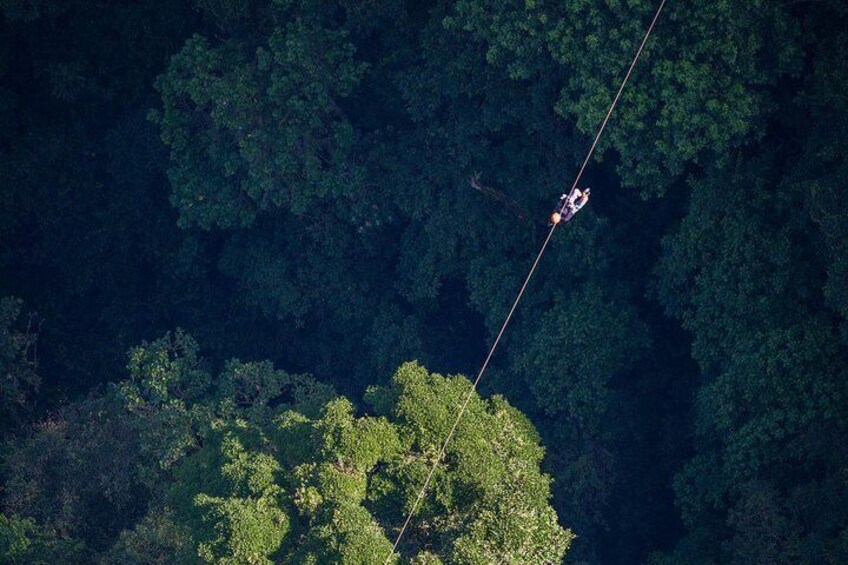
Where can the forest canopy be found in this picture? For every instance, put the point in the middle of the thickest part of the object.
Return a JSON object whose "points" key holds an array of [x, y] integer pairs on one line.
{"points": [[288, 183]]}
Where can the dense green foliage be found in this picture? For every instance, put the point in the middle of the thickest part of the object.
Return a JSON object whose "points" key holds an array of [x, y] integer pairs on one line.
{"points": [[256, 465], [288, 181]]}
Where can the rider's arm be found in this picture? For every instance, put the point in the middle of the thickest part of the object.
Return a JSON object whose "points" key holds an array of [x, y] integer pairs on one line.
{"points": [[582, 202]]}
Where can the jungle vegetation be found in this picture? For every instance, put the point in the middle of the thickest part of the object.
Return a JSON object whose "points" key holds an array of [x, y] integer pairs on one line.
{"points": [[243, 272]]}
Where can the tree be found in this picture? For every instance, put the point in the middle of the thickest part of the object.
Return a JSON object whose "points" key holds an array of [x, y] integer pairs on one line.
{"points": [[328, 488], [157, 538], [264, 124], [568, 363], [18, 363], [773, 395], [22, 541], [696, 94], [228, 497], [79, 473]]}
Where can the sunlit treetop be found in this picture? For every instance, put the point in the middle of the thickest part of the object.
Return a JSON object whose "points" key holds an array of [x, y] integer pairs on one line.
{"points": [[334, 488]]}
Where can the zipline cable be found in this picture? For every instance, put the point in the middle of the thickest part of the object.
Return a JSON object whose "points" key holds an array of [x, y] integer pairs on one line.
{"points": [[518, 297]]}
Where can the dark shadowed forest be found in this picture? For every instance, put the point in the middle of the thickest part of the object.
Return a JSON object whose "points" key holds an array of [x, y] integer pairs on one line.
{"points": [[244, 281]]}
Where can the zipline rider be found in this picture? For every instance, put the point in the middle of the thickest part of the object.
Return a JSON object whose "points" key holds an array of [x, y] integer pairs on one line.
{"points": [[569, 204]]}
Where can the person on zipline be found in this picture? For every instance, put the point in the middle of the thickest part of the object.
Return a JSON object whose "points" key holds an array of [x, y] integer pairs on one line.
{"points": [[569, 205]]}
